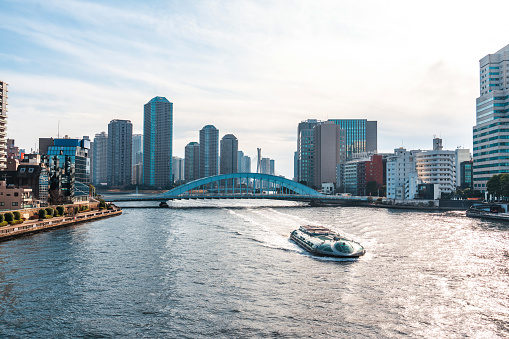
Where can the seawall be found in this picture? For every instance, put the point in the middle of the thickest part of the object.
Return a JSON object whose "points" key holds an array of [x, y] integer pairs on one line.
{"points": [[34, 226]]}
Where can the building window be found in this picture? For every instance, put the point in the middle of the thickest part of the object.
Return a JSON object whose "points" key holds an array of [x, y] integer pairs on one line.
{"points": [[2, 203], [14, 203], [16, 194]]}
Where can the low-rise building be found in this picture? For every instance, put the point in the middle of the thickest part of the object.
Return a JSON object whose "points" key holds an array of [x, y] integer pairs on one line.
{"points": [[14, 198]]}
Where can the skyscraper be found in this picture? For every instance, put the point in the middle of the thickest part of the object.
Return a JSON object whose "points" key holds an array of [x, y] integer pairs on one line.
{"points": [[120, 139], [192, 162], [305, 151], [209, 151], [178, 168], [229, 154], [490, 130], [137, 149], [158, 142], [100, 159], [3, 125]]}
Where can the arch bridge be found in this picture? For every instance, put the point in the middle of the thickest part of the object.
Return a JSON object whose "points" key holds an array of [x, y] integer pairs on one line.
{"points": [[236, 186]]}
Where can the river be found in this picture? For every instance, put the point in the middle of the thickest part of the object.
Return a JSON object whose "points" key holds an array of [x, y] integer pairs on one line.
{"points": [[227, 269]]}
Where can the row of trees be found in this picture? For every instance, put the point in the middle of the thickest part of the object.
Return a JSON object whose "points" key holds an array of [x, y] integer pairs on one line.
{"points": [[10, 218]]}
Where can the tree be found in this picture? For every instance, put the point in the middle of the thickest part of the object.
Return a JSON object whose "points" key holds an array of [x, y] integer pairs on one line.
{"points": [[371, 188], [60, 210], [17, 215], [42, 213], [9, 217], [498, 185]]}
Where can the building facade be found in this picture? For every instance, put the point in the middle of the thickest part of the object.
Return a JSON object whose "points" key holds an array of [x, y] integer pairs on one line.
{"points": [[3, 124], [329, 151], [100, 159], [360, 135], [192, 161], [120, 138], [178, 168], [305, 152], [228, 162], [402, 178], [209, 151], [137, 149], [491, 131], [69, 169], [158, 143], [467, 175]]}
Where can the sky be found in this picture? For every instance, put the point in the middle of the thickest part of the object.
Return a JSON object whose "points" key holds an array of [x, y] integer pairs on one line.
{"points": [[254, 69]]}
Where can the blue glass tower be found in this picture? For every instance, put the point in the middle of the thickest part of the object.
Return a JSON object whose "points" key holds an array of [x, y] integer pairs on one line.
{"points": [[360, 135], [158, 143]]}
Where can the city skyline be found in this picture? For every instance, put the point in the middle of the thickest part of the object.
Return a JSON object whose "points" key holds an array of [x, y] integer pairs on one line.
{"points": [[255, 78]]}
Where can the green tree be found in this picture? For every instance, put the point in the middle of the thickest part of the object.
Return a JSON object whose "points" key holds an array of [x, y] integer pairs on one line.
{"points": [[42, 213], [498, 185], [50, 211], [17, 215], [60, 210], [2, 218], [9, 217]]}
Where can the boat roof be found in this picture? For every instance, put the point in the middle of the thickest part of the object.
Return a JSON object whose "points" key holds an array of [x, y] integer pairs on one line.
{"points": [[315, 230]]}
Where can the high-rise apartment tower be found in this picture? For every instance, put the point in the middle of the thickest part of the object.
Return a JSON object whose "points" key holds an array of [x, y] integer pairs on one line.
{"points": [[209, 151], [120, 139], [3, 125], [157, 142]]}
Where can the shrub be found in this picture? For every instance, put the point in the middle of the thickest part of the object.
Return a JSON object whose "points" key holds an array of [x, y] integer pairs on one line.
{"points": [[9, 217], [76, 209], [2, 218], [102, 203], [50, 211], [3, 223], [42, 214], [60, 210], [370, 199], [17, 215]]}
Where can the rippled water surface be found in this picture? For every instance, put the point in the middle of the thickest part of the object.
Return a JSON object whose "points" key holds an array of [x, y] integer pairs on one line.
{"points": [[231, 271]]}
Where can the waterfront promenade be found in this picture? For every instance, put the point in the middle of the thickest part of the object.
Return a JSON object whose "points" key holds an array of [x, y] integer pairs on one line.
{"points": [[33, 226]]}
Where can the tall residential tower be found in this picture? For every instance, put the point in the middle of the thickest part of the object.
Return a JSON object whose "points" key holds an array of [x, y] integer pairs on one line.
{"points": [[100, 159], [209, 151], [229, 154], [120, 143], [158, 142], [3, 125]]}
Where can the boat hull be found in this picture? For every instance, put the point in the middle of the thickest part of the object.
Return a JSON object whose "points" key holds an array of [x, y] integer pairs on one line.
{"points": [[300, 239]]}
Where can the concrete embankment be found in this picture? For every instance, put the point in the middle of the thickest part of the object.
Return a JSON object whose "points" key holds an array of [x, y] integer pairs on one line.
{"points": [[35, 226]]}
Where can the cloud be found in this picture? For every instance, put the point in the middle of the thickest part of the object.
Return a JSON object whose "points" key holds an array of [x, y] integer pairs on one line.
{"points": [[251, 68]]}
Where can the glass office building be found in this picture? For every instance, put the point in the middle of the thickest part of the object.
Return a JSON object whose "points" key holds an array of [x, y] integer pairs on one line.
{"points": [[72, 159], [491, 132], [360, 135]]}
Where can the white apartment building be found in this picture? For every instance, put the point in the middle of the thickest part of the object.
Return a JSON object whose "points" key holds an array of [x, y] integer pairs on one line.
{"points": [[439, 167], [402, 178]]}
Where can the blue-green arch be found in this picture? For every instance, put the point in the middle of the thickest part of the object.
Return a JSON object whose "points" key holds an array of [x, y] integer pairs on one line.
{"points": [[295, 187]]}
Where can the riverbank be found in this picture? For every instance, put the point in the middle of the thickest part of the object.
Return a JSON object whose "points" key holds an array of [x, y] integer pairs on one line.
{"points": [[36, 226]]}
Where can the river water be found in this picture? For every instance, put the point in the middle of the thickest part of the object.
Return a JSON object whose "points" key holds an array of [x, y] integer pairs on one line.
{"points": [[227, 269]]}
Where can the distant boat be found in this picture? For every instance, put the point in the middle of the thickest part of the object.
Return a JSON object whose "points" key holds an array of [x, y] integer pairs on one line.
{"points": [[325, 242]]}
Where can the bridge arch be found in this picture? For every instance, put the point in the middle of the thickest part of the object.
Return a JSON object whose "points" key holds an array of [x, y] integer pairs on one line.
{"points": [[239, 184]]}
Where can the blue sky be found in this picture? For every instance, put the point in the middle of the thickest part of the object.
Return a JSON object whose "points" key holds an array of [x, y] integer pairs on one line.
{"points": [[251, 68]]}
